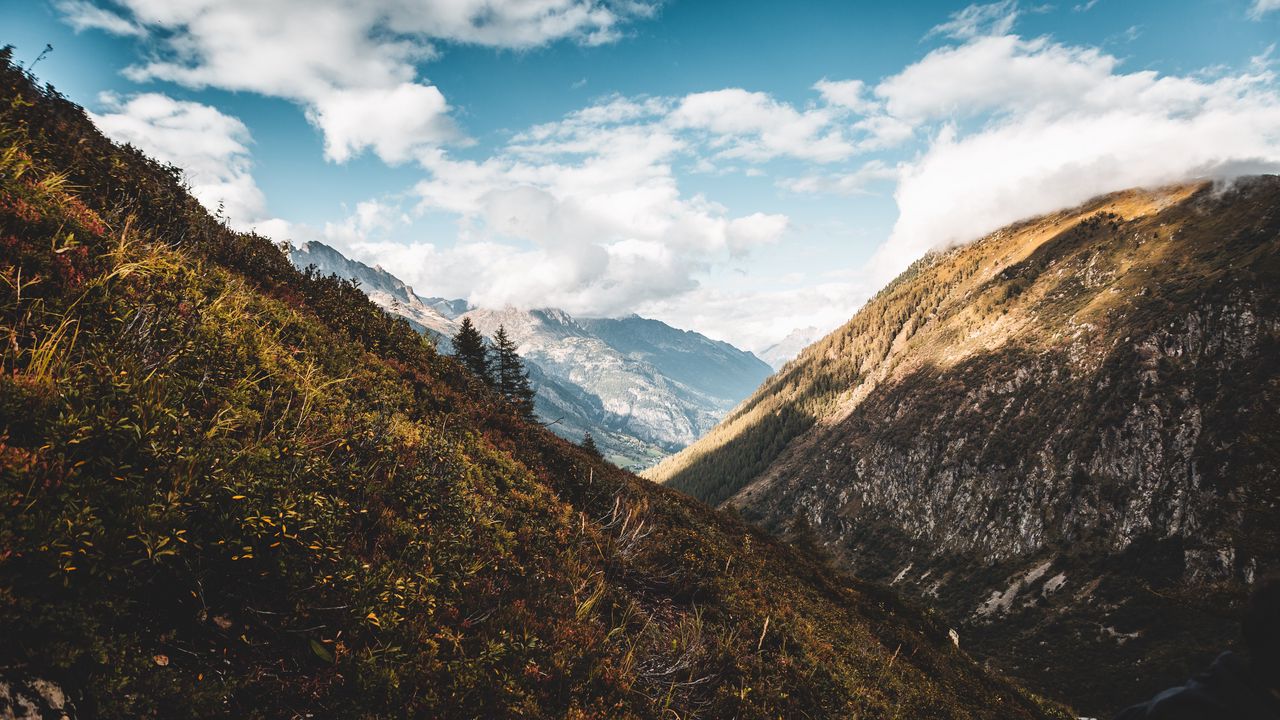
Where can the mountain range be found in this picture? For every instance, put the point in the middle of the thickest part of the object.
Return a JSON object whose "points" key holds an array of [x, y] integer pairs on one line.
{"points": [[1063, 436], [229, 488], [642, 388]]}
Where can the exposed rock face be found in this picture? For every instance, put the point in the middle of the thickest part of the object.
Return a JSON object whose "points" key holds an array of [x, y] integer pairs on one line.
{"points": [[1064, 435]]}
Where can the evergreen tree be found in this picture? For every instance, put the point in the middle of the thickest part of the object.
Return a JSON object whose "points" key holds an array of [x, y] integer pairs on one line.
{"points": [[589, 444], [471, 351], [512, 378]]}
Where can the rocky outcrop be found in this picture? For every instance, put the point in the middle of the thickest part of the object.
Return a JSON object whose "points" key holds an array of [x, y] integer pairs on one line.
{"points": [[27, 698]]}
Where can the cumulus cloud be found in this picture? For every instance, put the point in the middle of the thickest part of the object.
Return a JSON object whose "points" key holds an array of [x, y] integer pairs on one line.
{"points": [[350, 64], [849, 94], [393, 122], [585, 215], [210, 147], [754, 126], [1051, 125]]}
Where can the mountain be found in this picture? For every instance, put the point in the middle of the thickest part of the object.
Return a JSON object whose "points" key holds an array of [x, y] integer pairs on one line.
{"points": [[783, 351], [430, 315], [642, 388], [649, 387], [711, 367], [229, 488], [1063, 435]]}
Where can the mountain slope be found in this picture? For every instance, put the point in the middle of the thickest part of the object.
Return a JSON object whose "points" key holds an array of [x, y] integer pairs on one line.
{"points": [[643, 388], [386, 290], [1063, 434], [711, 367], [657, 385], [228, 488]]}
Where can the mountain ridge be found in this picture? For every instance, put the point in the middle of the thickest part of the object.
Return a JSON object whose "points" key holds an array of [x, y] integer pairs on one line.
{"points": [[642, 388], [230, 487], [1057, 434]]}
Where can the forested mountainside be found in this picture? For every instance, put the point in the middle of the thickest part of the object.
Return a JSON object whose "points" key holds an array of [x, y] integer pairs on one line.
{"points": [[642, 388], [1064, 435], [232, 489]]}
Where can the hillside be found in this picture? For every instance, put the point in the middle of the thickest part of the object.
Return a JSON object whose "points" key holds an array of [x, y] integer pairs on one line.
{"points": [[1064, 435], [432, 316], [642, 388], [231, 489]]}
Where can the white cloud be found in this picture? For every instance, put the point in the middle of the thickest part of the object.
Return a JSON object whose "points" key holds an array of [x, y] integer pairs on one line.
{"points": [[350, 64], [849, 94], [857, 182], [82, 15], [393, 122], [211, 148], [1262, 7], [754, 320], [978, 20], [1051, 126], [1004, 73], [584, 214], [754, 126]]}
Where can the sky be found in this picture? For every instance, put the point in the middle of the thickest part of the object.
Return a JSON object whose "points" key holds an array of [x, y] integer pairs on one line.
{"points": [[739, 168]]}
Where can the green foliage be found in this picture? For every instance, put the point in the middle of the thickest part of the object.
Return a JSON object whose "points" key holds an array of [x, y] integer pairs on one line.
{"points": [[589, 445], [470, 349], [510, 376], [229, 488]]}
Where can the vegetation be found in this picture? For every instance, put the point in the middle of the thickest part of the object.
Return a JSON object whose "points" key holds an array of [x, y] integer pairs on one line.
{"points": [[510, 376], [470, 349], [228, 488]]}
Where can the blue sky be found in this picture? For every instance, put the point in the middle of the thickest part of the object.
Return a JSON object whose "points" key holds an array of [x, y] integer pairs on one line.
{"points": [[738, 168]]}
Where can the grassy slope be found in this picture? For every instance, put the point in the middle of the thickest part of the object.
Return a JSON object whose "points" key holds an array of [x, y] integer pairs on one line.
{"points": [[230, 489]]}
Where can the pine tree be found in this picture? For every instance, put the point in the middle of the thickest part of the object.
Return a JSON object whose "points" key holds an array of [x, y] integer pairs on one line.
{"points": [[471, 351], [589, 444], [512, 378]]}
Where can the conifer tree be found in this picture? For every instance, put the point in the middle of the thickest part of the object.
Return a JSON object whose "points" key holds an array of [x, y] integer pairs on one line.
{"points": [[511, 376], [471, 351], [589, 444]]}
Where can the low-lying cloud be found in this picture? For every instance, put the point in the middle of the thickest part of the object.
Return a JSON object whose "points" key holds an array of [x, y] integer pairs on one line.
{"points": [[1023, 127]]}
